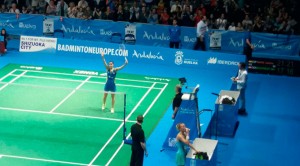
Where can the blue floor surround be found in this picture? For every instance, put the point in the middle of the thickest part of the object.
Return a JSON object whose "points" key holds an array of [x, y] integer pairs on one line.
{"points": [[268, 136]]}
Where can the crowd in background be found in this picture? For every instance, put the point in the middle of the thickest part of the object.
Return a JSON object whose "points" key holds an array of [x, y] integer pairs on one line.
{"points": [[272, 16]]}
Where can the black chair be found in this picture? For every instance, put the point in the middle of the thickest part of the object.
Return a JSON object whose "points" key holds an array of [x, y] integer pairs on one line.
{"points": [[116, 37]]}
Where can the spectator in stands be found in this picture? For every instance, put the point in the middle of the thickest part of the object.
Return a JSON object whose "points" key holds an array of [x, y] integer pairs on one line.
{"points": [[96, 13], [164, 17], [258, 25], [221, 22], [231, 27], [107, 15], [134, 12], [70, 8], [211, 22], [126, 11], [268, 24], [14, 9], [187, 4], [5, 35], [175, 6], [82, 4], [239, 27], [73, 12], [3, 9], [197, 17], [98, 4], [8, 3], [62, 8], [34, 3], [247, 22], [143, 15], [248, 46], [172, 2], [79, 13], [174, 32], [202, 9], [51, 8], [20, 3], [41, 6], [187, 17], [119, 16], [195, 4], [87, 13], [24, 10], [201, 33], [153, 17], [160, 7]]}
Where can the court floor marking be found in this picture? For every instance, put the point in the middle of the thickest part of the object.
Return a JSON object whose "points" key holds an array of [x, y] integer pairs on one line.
{"points": [[11, 81], [43, 160], [63, 114], [8, 74], [80, 75], [121, 125], [146, 112], [92, 82], [69, 95]]}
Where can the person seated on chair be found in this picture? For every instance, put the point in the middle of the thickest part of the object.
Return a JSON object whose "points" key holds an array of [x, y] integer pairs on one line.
{"points": [[4, 34]]}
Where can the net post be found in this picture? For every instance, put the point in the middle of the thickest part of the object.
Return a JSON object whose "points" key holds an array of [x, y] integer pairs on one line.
{"points": [[124, 118]]}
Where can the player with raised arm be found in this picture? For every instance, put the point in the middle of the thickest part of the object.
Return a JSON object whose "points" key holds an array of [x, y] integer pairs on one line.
{"points": [[110, 85]]}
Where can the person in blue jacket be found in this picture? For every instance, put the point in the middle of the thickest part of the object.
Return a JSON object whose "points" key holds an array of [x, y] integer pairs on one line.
{"points": [[174, 32]]}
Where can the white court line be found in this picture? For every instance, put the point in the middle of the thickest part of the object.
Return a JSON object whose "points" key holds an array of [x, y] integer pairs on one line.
{"points": [[79, 75], [146, 112], [70, 94], [62, 114], [11, 81], [1, 79], [43, 160], [108, 141], [70, 80]]}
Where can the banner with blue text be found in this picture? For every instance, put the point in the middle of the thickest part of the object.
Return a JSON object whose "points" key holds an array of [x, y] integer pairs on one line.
{"points": [[148, 34]]}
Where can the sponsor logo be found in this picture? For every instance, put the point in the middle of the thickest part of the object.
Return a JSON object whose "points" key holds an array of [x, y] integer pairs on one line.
{"points": [[213, 61], [157, 79], [156, 36], [83, 72], [26, 26], [32, 67], [187, 39], [281, 46], [172, 142], [78, 30], [144, 55], [179, 57], [238, 43], [6, 24], [259, 44], [180, 60], [105, 33]]}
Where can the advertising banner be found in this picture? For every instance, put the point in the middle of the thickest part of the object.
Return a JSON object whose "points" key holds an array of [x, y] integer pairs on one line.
{"points": [[37, 44]]}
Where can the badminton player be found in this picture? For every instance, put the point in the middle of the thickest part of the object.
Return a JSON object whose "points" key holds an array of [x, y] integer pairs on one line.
{"points": [[110, 85]]}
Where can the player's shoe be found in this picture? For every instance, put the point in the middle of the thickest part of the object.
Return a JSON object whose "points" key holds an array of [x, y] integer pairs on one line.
{"points": [[112, 110], [103, 107]]}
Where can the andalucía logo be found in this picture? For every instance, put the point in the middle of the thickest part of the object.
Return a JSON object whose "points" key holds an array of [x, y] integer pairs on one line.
{"points": [[212, 60], [178, 57]]}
